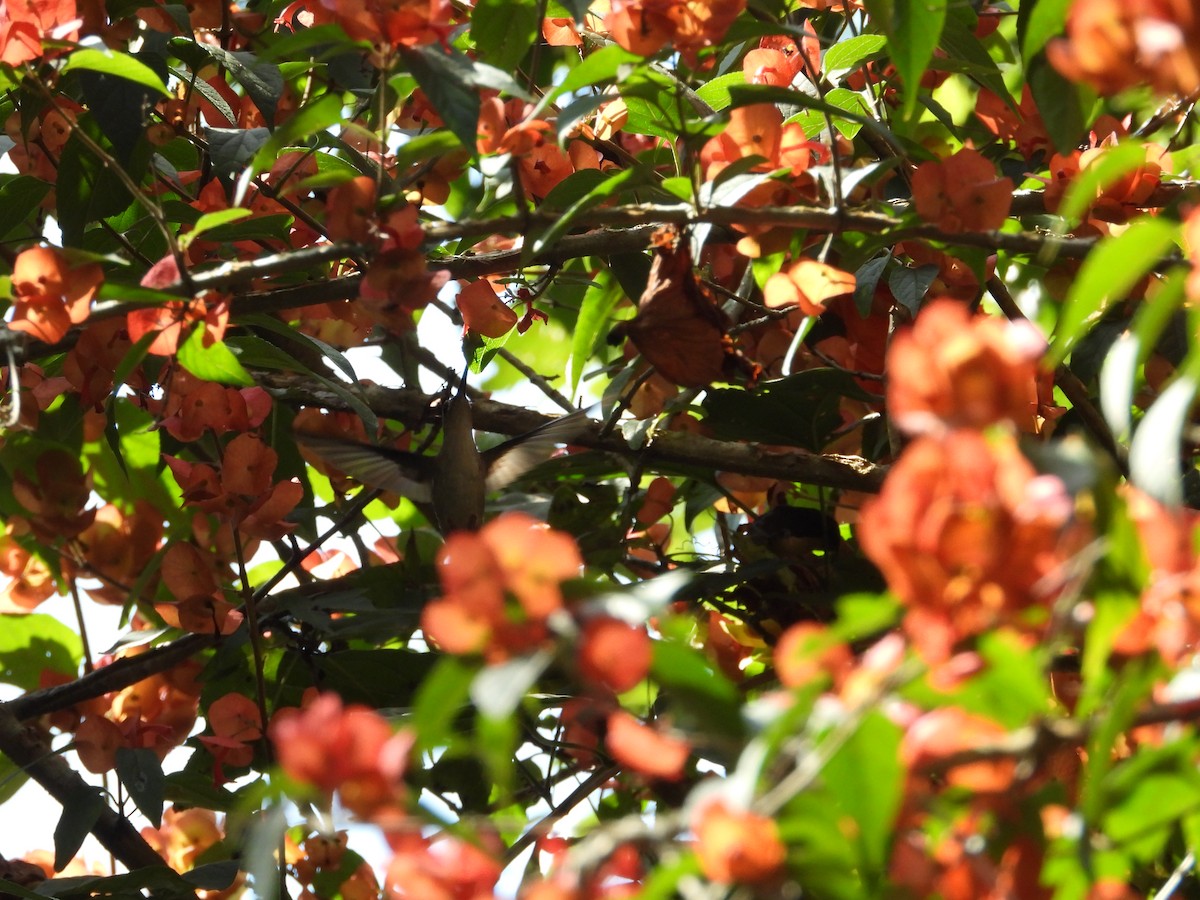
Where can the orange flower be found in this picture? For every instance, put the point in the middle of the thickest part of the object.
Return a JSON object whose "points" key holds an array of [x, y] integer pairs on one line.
{"points": [[950, 730], [614, 653], [29, 579], [1114, 45], [119, 548], [50, 294], [440, 868], [1169, 617], [350, 210], [759, 130], [807, 284], [962, 193], [658, 501], [644, 749], [778, 60], [184, 835], [236, 724], [399, 281], [958, 369], [348, 749], [173, 321], [27, 22], [808, 651], [483, 312], [646, 26], [969, 537], [1024, 127], [513, 553], [389, 23], [735, 846], [242, 492], [55, 495], [1116, 201], [195, 408]]}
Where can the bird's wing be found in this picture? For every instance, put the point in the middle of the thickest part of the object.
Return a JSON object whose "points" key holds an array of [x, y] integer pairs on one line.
{"points": [[507, 462], [385, 468]]}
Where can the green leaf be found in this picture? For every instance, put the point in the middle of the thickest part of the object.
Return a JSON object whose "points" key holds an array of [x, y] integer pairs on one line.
{"points": [[1038, 22], [442, 77], [441, 697], [652, 109], [913, 28], [716, 92], [867, 779], [574, 188], [142, 774], [87, 189], [122, 65], [20, 196], [1117, 378], [866, 279], [265, 354], [209, 93], [483, 349], [212, 220], [35, 642], [960, 43], [504, 30], [815, 121], [607, 187], [1060, 102], [594, 316], [1106, 276], [12, 778], [801, 410], [697, 690], [80, 812], [423, 147], [11, 887], [216, 876], [254, 228], [310, 119], [334, 355], [214, 362], [497, 690], [847, 55], [909, 286], [599, 67], [260, 79], [232, 149]]}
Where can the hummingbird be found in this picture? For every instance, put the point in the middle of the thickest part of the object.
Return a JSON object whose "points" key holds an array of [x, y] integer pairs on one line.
{"points": [[456, 480]]}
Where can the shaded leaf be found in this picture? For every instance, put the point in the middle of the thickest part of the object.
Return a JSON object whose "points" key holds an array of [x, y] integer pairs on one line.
{"points": [[1107, 275], [801, 410], [80, 812], [142, 774], [261, 79], [504, 30], [232, 149]]}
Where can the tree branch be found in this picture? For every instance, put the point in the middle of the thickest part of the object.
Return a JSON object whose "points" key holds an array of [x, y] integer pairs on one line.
{"points": [[24, 747], [668, 451]]}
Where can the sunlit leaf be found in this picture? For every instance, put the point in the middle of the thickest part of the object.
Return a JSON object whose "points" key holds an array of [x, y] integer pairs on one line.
{"points": [[121, 65]]}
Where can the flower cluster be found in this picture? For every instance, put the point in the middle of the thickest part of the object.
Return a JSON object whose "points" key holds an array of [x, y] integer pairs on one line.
{"points": [[514, 556]]}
